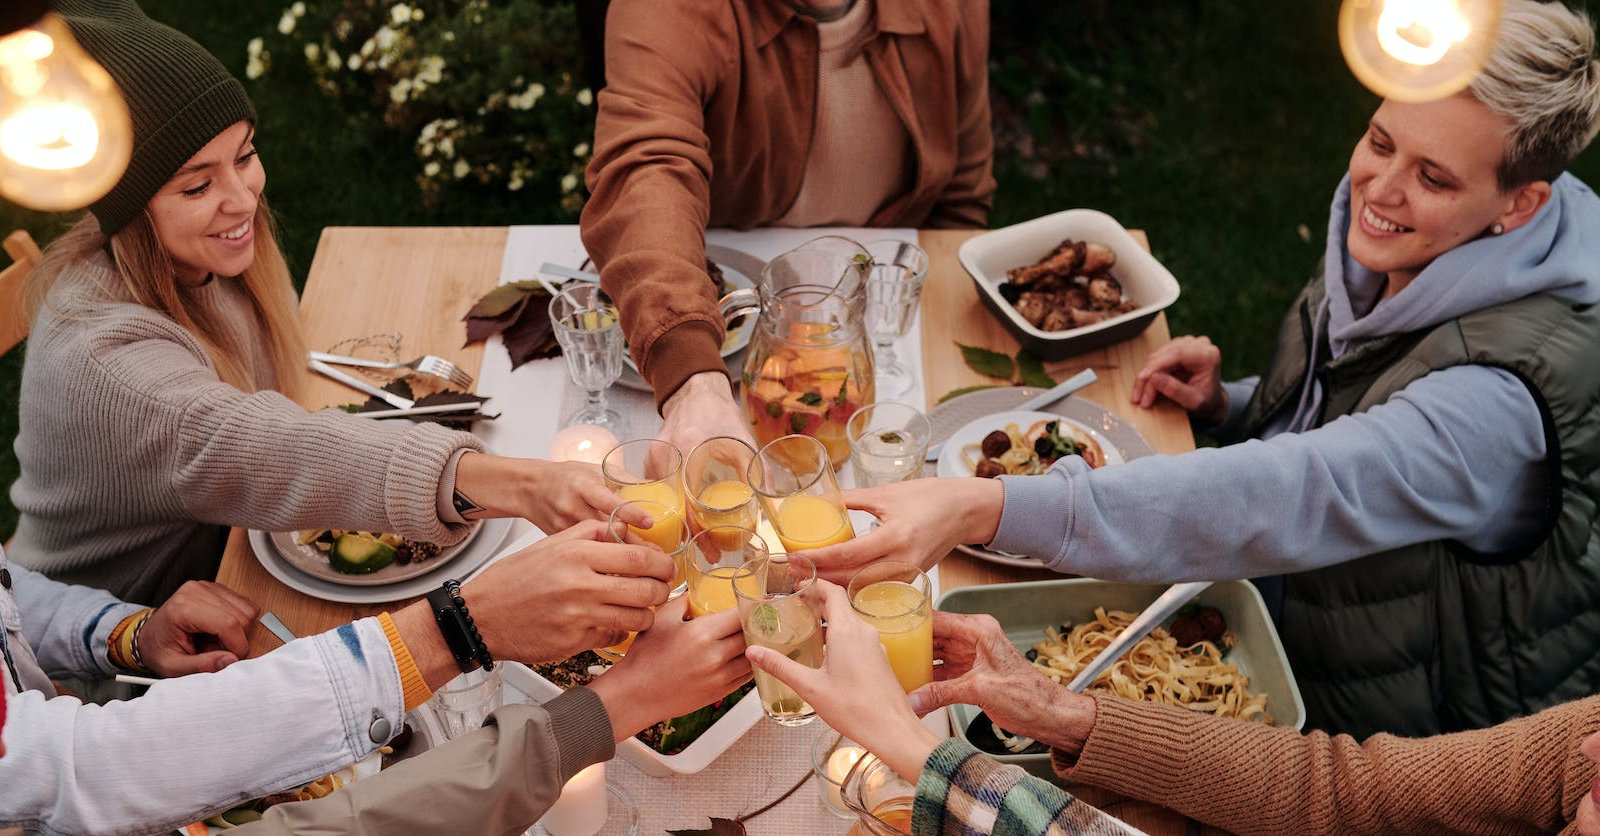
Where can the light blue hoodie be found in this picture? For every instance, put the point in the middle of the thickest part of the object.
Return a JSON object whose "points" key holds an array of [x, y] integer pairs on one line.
{"points": [[1458, 454]]}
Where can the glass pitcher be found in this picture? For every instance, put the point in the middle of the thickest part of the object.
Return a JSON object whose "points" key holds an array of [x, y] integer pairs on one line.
{"points": [[809, 365], [881, 799]]}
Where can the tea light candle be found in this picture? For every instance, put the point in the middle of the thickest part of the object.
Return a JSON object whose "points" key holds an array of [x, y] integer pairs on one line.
{"points": [[837, 767], [582, 443], [581, 809]]}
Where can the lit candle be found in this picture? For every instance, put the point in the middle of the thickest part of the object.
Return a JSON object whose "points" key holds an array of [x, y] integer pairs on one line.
{"points": [[581, 809], [582, 443], [838, 766]]}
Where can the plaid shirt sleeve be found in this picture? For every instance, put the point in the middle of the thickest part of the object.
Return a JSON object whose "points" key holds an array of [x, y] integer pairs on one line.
{"points": [[963, 792]]}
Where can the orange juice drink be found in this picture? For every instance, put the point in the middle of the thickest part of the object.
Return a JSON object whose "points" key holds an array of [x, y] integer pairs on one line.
{"points": [[725, 503], [711, 592], [902, 615], [665, 492], [806, 521]]}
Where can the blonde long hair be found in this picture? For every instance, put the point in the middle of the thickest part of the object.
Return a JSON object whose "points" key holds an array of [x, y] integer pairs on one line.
{"points": [[149, 278]]}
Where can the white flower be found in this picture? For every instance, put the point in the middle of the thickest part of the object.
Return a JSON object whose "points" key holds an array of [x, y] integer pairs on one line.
{"points": [[449, 36], [515, 183], [313, 53], [341, 30], [400, 13], [416, 14], [354, 63], [581, 150], [333, 60], [253, 48], [286, 23], [254, 68], [385, 37], [368, 47], [431, 169], [462, 169], [432, 70], [447, 147], [569, 183], [298, 9], [400, 91], [585, 97]]}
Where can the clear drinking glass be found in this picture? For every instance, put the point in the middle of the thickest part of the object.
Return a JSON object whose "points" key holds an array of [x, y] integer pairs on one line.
{"points": [[667, 533], [463, 703], [800, 494], [832, 756], [781, 608], [715, 487], [887, 443], [716, 564], [646, 468], [897, 599], [894, 292], [590, 333]]}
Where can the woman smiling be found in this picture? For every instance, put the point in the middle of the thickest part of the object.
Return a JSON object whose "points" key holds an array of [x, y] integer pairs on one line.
{"points": [[165, 343]]}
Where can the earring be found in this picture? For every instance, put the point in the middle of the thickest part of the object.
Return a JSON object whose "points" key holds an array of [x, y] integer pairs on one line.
{"points": [[1497, 228]]}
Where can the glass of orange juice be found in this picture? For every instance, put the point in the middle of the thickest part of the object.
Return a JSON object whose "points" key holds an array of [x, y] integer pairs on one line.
{"points": [[781, 609], [794, 479], [715, 487], [666, 533], [716, 564], [897, 599], [646, 468]]}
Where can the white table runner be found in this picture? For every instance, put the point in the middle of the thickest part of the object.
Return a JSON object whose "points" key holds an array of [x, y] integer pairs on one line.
{"points": [[769, 758]]}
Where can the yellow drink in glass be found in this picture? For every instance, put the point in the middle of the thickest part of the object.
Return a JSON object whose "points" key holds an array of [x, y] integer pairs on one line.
{"points": [[725, 503], [806, 521], [662, 492], [780, 702], [712, 591], [903, 617]]}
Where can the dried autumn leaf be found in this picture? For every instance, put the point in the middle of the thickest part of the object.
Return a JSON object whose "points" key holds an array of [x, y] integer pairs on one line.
{"points": [[530, 336], [984, 361], [501, 299], [719, 827], [480, 328]]}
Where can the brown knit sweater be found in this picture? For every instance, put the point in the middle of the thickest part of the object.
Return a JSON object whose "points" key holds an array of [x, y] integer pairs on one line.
{"points": [[1520, 777], [134, 454]]}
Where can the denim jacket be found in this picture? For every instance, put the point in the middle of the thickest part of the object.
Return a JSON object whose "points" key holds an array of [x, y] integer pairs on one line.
{"points": [[189, 747]]}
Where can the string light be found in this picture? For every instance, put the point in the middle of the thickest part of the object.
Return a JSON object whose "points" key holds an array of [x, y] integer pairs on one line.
{"points": [[65, 135], [1417, 50]]}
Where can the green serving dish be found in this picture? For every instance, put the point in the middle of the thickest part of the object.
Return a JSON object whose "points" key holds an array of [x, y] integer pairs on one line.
{"points": [[1025, 609]]}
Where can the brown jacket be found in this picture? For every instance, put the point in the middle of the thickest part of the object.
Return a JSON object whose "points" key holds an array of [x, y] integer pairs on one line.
{"points": [[1524, 776], [706, 121]]}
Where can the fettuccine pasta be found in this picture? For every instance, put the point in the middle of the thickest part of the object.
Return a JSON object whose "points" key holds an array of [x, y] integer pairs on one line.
{"points": [[1155, 669]]}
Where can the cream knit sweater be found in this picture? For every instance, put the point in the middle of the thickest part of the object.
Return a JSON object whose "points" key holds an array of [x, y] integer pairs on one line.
{"points": [[135, 457]]}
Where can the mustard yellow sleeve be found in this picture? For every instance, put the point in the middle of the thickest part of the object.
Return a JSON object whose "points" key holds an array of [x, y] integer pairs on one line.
{"points": [[412, 684]]}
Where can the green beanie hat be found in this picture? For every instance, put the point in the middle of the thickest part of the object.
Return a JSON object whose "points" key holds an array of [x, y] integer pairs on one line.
{"points": [[179, 95]]}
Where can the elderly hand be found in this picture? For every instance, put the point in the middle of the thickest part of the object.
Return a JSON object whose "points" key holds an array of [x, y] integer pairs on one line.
{"points": [[923, 519], [674, 668], [855, 690], [571, 591], [1188, 371], [200, 629], [983, 668], [702, 408]]}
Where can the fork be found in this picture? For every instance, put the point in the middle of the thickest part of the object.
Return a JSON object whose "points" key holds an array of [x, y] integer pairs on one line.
{"points": [[428, 364]]}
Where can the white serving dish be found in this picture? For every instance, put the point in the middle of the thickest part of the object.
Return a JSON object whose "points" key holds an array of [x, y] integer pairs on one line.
{"points": [[522, 684], [987, 257], [1025, 609]]}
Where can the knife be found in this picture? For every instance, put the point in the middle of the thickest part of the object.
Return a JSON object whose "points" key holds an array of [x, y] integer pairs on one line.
{"points": [[1170, 602], [357, 383], [275, 625], [1039, 401]]}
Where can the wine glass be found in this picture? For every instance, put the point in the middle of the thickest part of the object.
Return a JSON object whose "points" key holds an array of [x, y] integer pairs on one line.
{"points": [[894, 291], [590, 333]]}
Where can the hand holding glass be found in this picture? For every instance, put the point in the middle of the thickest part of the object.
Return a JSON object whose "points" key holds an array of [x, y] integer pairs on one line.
{"points": [[713, 478], [716, 565], [666, 533], [794, 478], [779, 608], [896, 599]]}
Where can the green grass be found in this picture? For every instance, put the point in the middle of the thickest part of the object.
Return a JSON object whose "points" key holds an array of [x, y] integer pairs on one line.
{"points": [[1220, 128]]}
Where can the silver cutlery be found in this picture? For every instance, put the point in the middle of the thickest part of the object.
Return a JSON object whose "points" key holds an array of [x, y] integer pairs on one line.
{"points": [[428, 364], [436, 409], [553, 269], [1159, 610], [275, 625], [1039, 401], [358, 384]]}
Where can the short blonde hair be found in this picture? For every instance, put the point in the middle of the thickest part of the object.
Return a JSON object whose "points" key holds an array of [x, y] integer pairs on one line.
{"points": [[1542, 77]]}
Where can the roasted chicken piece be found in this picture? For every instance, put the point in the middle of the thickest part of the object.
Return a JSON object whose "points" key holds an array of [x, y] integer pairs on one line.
{"points": [[1064, 260], [1069, 288], [1097, 258], [1104, 292], [1034, 306]]}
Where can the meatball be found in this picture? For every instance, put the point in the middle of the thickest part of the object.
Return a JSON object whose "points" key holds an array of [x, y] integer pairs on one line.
{"points": [[988, 469], [995, 444], [1186, 632], [1212, 625]]}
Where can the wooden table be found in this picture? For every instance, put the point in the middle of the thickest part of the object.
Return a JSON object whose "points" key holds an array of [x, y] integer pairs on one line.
{"points": [[421, 281]]}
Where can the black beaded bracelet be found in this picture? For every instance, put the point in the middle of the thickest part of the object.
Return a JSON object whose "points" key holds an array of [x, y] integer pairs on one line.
{"points": [[460, 633]]}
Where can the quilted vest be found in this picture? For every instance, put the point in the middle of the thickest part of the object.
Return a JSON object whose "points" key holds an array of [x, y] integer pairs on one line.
{"points": [[1434, 637]]}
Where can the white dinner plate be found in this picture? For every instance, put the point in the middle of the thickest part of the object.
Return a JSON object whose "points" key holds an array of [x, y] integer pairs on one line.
{"points": [[491, 535], [741, 270], [953, 460], [1116, 438], [314, 561]]}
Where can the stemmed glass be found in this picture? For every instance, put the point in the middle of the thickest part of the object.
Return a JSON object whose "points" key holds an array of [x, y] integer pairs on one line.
{"points": [[590, 333], [893, 292]]}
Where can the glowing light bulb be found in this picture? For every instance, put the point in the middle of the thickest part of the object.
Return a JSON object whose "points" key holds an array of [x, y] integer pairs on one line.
{"points": [[1417, 50], [65, 135]]}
